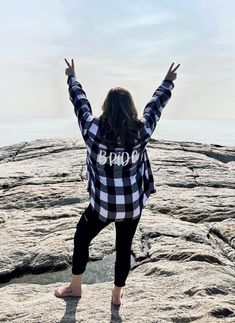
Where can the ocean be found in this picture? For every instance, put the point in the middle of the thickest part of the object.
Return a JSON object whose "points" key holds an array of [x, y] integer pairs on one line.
{"points": [[220, 132]]}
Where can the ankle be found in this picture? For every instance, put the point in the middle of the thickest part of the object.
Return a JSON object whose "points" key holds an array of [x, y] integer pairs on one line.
{"points": [[75, 287], [76, 281], [116, 288]]}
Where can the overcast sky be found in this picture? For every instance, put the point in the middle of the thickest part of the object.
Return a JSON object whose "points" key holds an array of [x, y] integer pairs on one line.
{"points": [[117, 43]]}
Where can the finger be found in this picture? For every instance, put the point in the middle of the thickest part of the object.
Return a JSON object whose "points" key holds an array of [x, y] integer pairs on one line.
{"points": [[67, 62], [175, 68], [170, 67], [72, 63]]}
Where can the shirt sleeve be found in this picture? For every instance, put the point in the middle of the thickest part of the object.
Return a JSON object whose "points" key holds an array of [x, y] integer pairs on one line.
{"points": [[82, 107], [153, 109]]}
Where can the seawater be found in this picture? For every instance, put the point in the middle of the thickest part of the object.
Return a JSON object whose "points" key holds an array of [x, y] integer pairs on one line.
{"points": [[96, 272], [220, 132]]}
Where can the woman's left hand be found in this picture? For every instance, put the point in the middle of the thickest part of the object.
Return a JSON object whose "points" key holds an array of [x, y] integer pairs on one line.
{"points": [[70, 70]]}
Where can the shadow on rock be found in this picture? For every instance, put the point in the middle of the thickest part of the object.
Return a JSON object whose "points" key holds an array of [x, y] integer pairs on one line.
{"points": [[70, 311], [115, 316]]}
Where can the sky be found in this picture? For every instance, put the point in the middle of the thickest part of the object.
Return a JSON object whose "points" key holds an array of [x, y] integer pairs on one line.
{"points": [[117, 43]]}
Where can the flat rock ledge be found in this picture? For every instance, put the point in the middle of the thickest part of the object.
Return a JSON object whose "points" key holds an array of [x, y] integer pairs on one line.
{"points": [[184, 246]]}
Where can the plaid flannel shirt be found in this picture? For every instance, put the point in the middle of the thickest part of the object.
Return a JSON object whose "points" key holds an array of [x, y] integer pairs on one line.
{"points": [[119, 182]]}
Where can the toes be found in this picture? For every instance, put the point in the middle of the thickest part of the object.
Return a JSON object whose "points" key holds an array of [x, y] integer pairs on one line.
{"points": [[58, 292]]}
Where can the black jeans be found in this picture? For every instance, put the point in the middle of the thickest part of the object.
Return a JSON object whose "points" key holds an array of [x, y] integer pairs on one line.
{"points": [[88, 227]]}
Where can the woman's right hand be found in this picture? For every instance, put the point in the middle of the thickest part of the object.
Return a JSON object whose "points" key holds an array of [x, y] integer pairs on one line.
{"points": [[171, 75], [70, 70]]}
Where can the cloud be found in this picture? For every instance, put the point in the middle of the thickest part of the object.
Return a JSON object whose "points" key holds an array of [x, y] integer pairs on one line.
{"points": [[147, 20], [128, 43]]}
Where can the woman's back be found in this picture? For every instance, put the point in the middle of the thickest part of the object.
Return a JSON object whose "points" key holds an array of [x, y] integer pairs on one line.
{"points": [[119, 173]]}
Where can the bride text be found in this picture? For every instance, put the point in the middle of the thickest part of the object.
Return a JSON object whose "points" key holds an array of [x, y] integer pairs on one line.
{"points": [[117, 158]]}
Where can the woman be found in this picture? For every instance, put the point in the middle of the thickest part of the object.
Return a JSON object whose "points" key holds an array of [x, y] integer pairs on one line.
{"points": [[119, 174]]}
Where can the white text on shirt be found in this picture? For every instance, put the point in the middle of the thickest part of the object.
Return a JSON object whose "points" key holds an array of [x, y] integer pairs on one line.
{"points": [[117, 158]]}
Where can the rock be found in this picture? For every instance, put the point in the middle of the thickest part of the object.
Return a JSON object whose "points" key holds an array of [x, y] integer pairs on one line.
{"points": [[223, 234], [184, 245], [156, 292]]}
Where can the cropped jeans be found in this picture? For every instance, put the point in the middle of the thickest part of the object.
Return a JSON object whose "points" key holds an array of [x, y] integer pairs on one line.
{"points": [[88, 227]]}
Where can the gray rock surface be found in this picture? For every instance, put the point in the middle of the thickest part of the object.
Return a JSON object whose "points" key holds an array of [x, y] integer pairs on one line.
{"points": [[184, 245]]}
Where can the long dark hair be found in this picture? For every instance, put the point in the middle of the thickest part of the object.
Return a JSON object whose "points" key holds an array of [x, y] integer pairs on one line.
{"points": [[119, 121]]}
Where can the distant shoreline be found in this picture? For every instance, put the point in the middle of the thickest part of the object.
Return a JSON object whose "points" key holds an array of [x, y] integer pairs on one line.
{"points": [[214, 132], [152, 141]]}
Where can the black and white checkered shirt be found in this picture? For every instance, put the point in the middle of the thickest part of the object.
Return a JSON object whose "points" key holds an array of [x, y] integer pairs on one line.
{"points": [[119, 182]]}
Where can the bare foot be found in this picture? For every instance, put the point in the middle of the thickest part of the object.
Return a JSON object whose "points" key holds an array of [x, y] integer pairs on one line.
{"points": [[65, 291]]}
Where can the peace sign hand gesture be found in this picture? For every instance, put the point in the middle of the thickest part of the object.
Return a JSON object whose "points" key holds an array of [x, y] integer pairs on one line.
{"points": [[70, 70], [171, 75]]}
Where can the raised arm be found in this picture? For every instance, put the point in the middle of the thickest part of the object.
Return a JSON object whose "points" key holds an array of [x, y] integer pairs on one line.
{"points": [[77, 96], [153, 109]]}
